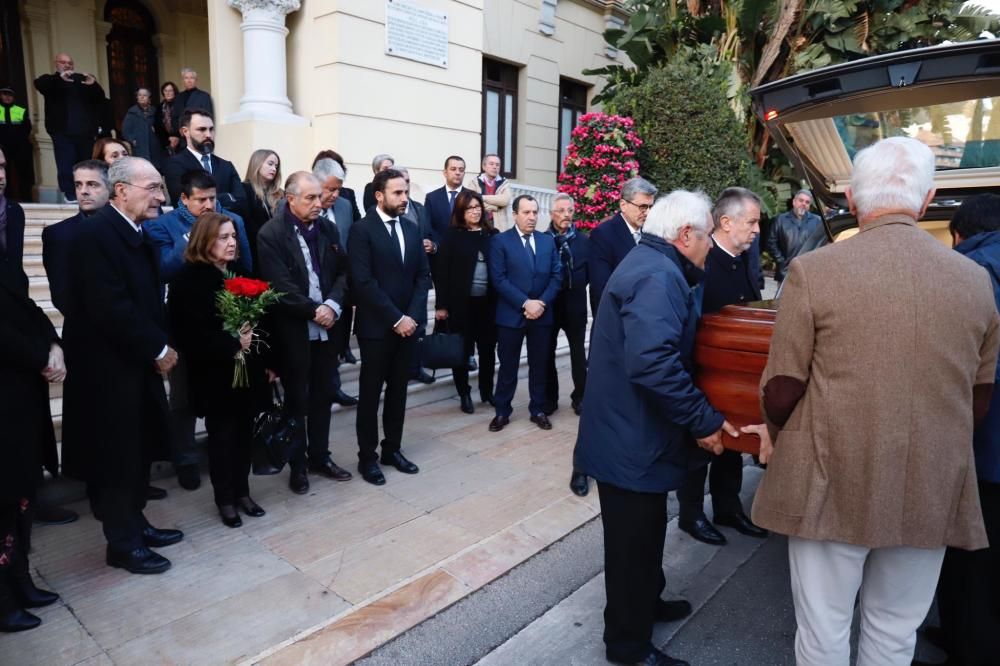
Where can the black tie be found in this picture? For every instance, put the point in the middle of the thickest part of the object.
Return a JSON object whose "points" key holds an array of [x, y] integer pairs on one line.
{"points": [[394, 235], [527, 245]]}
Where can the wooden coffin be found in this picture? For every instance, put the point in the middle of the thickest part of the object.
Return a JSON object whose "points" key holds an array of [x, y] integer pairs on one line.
{"points": [[730, 354]]}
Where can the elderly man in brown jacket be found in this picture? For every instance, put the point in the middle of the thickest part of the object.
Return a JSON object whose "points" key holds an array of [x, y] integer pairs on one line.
{"points": [[883, 355]]}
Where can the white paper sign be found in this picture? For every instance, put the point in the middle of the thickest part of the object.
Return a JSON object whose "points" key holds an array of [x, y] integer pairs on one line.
{"points": [[416, 33]]}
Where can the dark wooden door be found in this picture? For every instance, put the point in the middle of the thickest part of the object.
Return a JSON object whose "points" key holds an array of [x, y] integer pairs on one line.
{"points": [[132, 60]]}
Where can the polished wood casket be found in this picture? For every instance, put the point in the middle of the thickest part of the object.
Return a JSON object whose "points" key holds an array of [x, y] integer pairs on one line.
{"points": [[730, 354]]}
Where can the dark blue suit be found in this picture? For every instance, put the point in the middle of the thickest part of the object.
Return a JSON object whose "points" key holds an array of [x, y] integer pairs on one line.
{"points": [[610, 241], [516, 280], [439, 209]]}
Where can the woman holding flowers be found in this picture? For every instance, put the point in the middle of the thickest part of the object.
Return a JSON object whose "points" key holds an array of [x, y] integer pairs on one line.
{"points": [[227, 380]]}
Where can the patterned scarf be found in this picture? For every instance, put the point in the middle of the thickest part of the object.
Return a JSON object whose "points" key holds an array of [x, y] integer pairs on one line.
{"points": [[565, 253]]}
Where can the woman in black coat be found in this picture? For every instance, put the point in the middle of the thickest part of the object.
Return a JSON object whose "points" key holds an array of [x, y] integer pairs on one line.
{"points": [[466, 301], [199, 336], [30, 357], [262, 185]]}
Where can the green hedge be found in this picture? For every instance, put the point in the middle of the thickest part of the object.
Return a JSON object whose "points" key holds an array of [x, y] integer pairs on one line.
{"points": [[692, 137]]}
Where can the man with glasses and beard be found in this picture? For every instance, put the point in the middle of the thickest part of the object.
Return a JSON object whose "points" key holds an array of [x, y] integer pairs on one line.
{"points": [[198, 129], [390, 278]]}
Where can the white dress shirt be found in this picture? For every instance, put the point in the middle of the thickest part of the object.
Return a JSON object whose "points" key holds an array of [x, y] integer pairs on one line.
{"points": [[388, 230]]}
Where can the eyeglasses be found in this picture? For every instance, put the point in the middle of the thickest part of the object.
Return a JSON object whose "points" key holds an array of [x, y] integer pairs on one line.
{"points": [[476, 207], [642, 207], [152, 189]]}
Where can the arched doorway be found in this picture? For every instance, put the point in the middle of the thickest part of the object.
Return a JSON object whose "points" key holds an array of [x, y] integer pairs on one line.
{"points": [[132, 61]]}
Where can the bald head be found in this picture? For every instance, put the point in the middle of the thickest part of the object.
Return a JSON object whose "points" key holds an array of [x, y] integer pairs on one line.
{"points": [[64, 63]]}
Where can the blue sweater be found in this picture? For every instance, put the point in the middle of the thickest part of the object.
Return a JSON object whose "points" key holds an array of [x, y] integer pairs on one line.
{"points": [[984, 249], [169, 233]]}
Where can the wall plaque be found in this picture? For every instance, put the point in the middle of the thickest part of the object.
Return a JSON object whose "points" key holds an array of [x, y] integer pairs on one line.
{"points": [[416, 32]]}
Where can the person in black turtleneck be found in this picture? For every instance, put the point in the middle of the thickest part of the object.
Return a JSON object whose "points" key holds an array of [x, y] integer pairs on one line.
{"points": [[73, 107]]}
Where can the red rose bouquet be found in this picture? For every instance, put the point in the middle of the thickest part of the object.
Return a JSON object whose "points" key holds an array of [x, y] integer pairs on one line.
{"points": [[241, 305], [599, 160]]}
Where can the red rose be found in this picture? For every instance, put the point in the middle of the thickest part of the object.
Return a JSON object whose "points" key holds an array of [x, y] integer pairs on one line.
{"points": [[246, 287]]}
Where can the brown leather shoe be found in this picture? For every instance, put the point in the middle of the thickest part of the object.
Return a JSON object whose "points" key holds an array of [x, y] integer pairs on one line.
{"points": [[499, 423], [542, 421]]}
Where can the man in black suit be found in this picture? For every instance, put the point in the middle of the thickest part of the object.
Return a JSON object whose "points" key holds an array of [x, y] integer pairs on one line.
{"points": [[11, 222], [441, 202], [390, 278], [729, 279], [115, 414], [90, 180], [302, 257], [198, 129], [612, 239], [192, 97]]}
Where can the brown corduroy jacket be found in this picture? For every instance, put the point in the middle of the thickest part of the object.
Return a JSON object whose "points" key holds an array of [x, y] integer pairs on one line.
{"points": [[883, 354]]}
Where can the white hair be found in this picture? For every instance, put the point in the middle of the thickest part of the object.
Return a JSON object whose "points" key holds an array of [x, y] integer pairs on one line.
{"points": [[895, 173], [188, 70], [677, 210], [325, 169], [126, 169]]}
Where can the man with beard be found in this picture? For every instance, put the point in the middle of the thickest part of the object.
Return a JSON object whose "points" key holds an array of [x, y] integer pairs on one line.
{"points": [[198, 129], [115, 420], [790, 231], [729, 279], [390, 278]]}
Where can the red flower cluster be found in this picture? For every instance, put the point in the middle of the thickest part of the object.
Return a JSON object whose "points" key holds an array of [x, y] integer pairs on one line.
{"points": [[246, 287], [598, 162]]}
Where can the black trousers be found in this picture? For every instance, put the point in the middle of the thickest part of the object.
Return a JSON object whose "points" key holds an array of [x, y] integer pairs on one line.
{"points": [[725, 480], [509, 341], [229, 455], [68, 151], [576, 331], [120, 509], [635, 525], [384, 362], [969, 592], [308, 397], [481, 333]]}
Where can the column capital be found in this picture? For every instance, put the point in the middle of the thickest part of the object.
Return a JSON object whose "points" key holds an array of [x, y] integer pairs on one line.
{"points": [[276, 8]]}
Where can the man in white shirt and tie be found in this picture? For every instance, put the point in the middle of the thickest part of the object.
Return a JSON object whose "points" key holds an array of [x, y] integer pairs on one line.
{"points": [[197, 128], [441, 202]]}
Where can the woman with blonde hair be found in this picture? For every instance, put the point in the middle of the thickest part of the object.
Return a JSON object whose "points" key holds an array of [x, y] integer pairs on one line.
{"points": [[262, 185]]}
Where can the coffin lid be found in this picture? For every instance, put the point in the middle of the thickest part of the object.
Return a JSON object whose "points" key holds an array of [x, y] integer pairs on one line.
{"points": [[947, 96]]}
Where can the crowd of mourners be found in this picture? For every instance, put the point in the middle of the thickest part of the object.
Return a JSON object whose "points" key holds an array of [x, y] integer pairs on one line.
{"points": [[871, 469]]}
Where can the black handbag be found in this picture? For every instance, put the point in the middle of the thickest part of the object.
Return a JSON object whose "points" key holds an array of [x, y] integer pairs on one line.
{"points": [[442, 350], [275, 436]]}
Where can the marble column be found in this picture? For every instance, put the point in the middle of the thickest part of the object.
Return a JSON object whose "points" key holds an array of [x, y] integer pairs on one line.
{"points": [[265, 76]]}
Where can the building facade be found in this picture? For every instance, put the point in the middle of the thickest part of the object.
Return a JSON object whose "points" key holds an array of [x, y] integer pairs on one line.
{"points": [[419, 79]]}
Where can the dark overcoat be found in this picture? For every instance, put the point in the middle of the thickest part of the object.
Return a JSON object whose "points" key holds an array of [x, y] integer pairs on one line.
{"points": [[197, 332], [115, 408], [641, 409], [456, 262], [572, 298], [15, 234], [728, 280], [28, 441], [58, 245]]}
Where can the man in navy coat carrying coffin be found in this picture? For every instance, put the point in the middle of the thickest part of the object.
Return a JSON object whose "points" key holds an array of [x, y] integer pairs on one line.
{"points": [[642, 415]]}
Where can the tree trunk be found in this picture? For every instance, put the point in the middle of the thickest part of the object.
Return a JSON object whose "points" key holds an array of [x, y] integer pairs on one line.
{"points": [[790, 10]]}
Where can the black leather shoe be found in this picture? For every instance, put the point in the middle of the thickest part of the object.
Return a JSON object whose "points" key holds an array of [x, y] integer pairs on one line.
{"points": [[542, 421], [18, 620], [423, 377], [703, 531], [27, 595], [742, 524], [230, 518], [139, 561], [249, 507], [579, 484], [48, 514], [577, 408], [298, 481], [348, 356], [157, 538], [154, 493], [371, 473], [398, 460], [189, 476], [330, 470], [466, 403], [673, 610], [487, 398], [499, 423], [343, 399]]}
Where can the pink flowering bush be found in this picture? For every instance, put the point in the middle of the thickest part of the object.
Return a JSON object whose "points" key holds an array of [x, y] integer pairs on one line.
{"points": [[598, 162]]}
